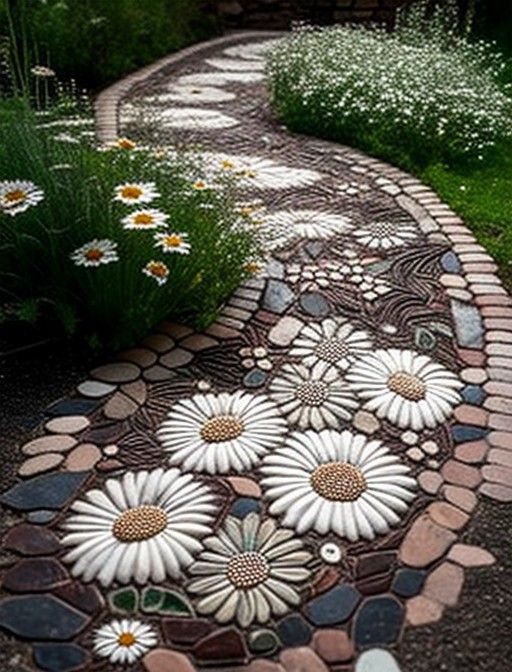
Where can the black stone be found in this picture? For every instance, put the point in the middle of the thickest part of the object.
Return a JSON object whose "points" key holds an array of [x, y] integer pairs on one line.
{"points": [[243, 506], [255, 378], [463, 433], [334, 606], [74, 406], [60, 657], [40, 617], [50, 491], [378, 622], [224, 645], [408, 582], [31, 540], [294, 631], [374, 563], [34, 574], [474, 394], [278, 296], [450, 262], [314, 304]]}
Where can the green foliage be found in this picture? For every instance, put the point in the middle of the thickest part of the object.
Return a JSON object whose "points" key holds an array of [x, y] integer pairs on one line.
{"points": [[97, 41], [113, 304]]}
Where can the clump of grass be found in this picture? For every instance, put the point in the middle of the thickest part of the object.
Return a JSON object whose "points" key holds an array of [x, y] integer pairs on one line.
{"points": [[135, 275]]}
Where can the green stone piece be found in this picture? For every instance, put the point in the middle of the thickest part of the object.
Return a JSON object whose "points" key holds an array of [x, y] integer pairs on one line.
{"points": [[263, 642], [175, 604], [124, 600], [425, 339], [152, 598]]}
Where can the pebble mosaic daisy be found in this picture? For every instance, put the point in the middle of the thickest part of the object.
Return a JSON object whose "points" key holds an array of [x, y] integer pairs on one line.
{"points": [[284, 227]]}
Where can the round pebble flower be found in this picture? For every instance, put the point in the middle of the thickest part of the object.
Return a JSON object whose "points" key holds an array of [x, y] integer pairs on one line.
{"points": [[124, 641], [144, 526], [288, 225], [334, 340], [145, 219], [18, 195], [385, 235], [96, 253], [315, 397], [173, 242], [219, 434], [195, 118], [410, 390], [249, 571], [336, 482], [136, 192], [156, 270]]}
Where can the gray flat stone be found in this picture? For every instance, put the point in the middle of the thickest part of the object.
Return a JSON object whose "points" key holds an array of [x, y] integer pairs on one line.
{"points": [[376, 660], [468, 325], [278, 297]]}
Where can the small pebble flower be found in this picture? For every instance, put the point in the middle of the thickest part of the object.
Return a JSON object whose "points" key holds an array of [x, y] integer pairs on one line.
{"points": [[173, 242], [157, 270], [256, 357], [42, 71], [18, 195], [135, 192], [145, 219], [96, 253], [124, 641]]}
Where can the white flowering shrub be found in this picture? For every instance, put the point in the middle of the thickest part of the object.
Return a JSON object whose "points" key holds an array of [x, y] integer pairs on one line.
{"points": [[416, 95]]}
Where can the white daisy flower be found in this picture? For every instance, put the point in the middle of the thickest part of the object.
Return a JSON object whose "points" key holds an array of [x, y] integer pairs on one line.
{"points": [[316, 397], [334, 340], [192, 94], [406, 388], [136, 192], [250, 571], [144, 526], [42, 71], [336, 482], [124, 641], [288, 225], [196, 118], [148, 218], [261, 173], [18, 195], [236, 64], [220, 78], [96, 253], [67, 137], [157, 270], [251, 50], [173, 242], [220, 434], [385, 235]]}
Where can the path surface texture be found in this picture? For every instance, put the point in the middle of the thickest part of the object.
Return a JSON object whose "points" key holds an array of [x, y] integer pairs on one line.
{"points": [[291, 490]]}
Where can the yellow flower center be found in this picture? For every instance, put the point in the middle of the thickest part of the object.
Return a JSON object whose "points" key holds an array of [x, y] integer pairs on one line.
{"points": [[131, 191], [252, 267], [221, 428], [15, 196], [139, 523], [407, 386], [199, 185], [227, 164], [143, 218], [247, 570], [158, 269], [126, 639], [248, 173], [94, 254], [173, 240], [338, 481], [126, 143]]}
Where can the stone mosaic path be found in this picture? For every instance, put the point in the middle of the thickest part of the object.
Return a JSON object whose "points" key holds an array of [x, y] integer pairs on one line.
{"points": [[286, 491]]}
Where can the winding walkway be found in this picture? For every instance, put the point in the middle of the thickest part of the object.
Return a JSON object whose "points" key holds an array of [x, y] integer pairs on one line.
{"points": [[285, 492]]}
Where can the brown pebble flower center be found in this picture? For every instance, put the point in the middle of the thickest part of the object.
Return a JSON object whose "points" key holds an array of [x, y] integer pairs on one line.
{"points": [[222, 428], [338, 481], [312, 393], [15, 196], [140, 523], [247, 570], [406, 385], [332, 350], [383, 229]]}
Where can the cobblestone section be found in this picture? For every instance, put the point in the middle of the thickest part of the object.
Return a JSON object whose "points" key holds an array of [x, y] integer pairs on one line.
{"points": [[286, 491]]}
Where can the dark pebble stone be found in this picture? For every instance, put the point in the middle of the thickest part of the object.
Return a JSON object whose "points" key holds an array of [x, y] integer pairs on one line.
{"points": [[41, 517], [60, 657], [185, 631], [225, 645], [74, 406], [31, 540], [84, 596], [294, 631], [314, 304], [104, 434], [335, 606], [450, 262], [314, 249], [40, 617], [50, 491], [255, 378], [463, 433], [264, 642], [378, 622], [242, 506], [474, 394], [408, 582], [278, 296], [34, 574], [372, 585], [374, 563]]}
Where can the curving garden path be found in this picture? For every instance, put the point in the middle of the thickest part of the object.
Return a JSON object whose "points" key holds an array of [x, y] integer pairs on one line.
{"points": [[287, 491]]}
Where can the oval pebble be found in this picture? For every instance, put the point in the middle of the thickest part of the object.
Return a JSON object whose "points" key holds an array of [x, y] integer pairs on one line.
{"points": [[376, 660]]}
